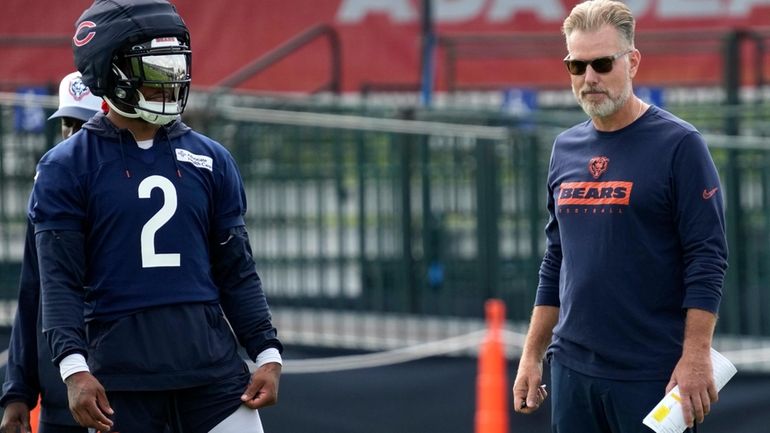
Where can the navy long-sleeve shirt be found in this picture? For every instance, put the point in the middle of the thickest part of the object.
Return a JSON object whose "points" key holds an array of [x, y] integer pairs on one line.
{"points": [[30, 372], [636, 236]]}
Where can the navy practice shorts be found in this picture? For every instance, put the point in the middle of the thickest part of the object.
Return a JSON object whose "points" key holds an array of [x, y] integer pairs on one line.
{"points": [[586, 404], [192, 410], [46, 427]]}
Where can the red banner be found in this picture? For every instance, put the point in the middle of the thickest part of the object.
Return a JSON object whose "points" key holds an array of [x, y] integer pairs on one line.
{"points": [[379, 40]]}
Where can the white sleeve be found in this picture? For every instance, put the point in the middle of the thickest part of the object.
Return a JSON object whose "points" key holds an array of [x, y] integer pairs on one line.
{"points": [[269, 355], [72, 364]]}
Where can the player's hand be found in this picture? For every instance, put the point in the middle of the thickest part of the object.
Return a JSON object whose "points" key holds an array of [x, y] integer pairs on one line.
{"points": [[88, 401], [15, 418], [694, 375], [528, 393], [263, 386]]}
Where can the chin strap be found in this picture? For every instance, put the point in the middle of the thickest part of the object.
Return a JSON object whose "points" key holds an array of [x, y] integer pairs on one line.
{"points": [[114, 108], [139, 113], [149, 111]]}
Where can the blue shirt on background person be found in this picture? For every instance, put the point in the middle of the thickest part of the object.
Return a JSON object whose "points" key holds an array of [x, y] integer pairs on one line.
{"points": [[30, 372]]}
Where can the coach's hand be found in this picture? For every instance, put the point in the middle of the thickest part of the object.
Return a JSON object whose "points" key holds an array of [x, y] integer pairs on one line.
{"points": [[694, 375], [15, 418], [528, 393], [263, 386], [88, 401]]}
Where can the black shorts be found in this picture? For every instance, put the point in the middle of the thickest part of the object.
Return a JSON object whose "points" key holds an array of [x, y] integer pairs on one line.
{"points": [[191, 410], [46, 427]]}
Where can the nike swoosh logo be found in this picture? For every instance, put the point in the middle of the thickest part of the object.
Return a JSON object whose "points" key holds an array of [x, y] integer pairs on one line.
{"points": [[708, 194]]}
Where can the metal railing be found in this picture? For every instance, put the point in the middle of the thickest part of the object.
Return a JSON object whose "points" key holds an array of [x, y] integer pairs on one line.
{"points": [[413, 212]]}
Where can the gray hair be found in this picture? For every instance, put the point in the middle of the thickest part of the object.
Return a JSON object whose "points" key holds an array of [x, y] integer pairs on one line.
{"points": [[593, 14]]}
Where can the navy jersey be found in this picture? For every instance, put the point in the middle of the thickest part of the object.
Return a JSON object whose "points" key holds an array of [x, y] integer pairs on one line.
{"points": [[636, 236], [146, 226], [133, 233]]}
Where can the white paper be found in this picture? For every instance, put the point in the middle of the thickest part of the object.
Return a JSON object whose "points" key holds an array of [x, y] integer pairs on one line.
{"points": [[667, 415]]}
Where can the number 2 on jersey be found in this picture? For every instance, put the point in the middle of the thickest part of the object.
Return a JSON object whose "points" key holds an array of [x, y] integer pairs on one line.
{"points": [[151, 259]]}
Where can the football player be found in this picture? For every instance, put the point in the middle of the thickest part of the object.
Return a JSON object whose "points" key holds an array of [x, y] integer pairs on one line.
{"points": [[29, 372], [145, 262]]}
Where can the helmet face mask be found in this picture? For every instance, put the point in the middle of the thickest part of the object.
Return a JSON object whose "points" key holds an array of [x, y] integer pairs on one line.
{"points": [[151, 80]]}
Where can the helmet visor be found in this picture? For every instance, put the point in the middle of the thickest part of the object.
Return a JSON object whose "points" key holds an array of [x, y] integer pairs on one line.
{"points": [[161, 69], [161, 61], [162, 64], [167, 72]]}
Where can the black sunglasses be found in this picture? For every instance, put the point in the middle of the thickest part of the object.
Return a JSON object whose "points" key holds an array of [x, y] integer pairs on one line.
{"points": [[601, 65]]}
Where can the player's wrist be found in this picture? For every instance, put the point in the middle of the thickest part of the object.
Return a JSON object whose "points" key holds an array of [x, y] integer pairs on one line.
{"points": [[71, 364], [269, 355]]}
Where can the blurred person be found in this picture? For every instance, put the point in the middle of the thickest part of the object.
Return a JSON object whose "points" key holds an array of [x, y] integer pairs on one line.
{"points": [[636, 254], [142, 246], [76, 104], [29, 372]]}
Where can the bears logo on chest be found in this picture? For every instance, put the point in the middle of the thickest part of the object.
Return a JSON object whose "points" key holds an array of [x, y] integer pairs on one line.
{"points": [[598, 165]]}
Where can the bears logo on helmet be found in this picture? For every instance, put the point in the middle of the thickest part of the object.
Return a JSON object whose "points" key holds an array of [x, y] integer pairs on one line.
{"points": [[80, 41]]}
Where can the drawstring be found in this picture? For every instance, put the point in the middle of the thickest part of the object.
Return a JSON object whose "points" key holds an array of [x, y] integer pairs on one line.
{"points": [[173, 156], [170, 148], [123, 156]]}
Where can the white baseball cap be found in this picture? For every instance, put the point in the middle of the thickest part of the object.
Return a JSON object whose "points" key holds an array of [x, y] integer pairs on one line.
{"points": [[76, 99]]}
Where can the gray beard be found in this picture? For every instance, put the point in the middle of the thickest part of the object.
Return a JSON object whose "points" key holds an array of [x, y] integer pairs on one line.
{"points": [[606, 108]]}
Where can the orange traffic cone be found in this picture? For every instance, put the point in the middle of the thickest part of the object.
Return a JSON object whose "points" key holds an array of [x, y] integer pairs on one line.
{"points": [[34, 417], [492, 377]]}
